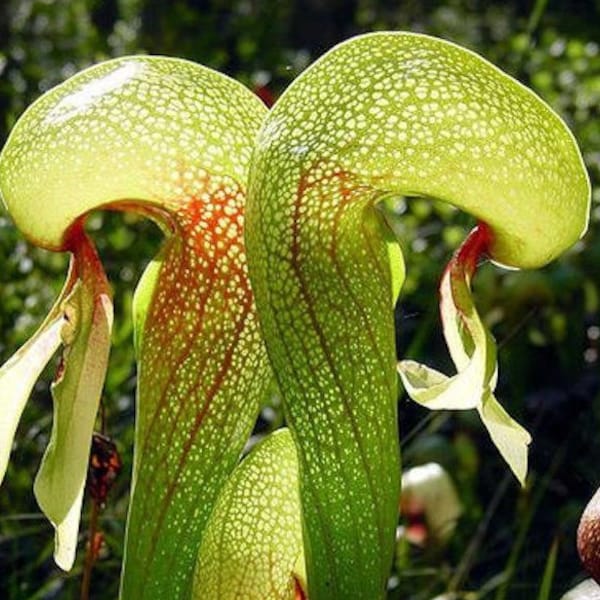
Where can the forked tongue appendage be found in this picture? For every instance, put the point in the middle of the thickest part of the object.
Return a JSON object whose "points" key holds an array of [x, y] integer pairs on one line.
{"points": [[85, 335], [20, 372], [473, 351]]}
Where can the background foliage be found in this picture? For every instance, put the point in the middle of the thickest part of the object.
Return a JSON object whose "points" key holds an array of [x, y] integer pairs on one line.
{"points": [[547, 322]]}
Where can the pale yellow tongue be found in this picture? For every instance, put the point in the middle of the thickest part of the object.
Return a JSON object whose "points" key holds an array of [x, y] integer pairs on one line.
{"points": [[76, 392], [18, 376]]}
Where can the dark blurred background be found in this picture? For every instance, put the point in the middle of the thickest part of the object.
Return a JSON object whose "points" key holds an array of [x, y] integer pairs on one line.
{"points": [[546, 322]]}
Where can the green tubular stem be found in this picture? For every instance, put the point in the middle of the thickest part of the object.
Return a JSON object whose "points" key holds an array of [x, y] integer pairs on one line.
{"points": [[333, 348], [379, 114], [171, 140], [201, 378]]}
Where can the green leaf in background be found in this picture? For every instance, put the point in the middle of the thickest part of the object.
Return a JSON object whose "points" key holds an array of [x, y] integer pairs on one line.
{"points": [[546, 583], [172, 141], [379, 115], [252, 546]]}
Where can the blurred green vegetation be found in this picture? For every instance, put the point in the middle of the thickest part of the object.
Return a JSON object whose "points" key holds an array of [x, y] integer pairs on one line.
{"points": [[546, 322]]}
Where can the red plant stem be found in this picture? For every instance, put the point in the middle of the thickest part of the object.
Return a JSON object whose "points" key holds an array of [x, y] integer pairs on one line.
{"points": [[91, 553]]}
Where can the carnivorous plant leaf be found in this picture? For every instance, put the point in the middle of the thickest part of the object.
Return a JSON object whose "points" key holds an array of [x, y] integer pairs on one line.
{"points": [[381, 114], [588, 537], [170, 140], [252, 546]]}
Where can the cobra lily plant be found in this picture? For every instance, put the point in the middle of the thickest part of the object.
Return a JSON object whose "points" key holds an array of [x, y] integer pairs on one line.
{"points": [[383, 114], [172, 141], [312, 511]]}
